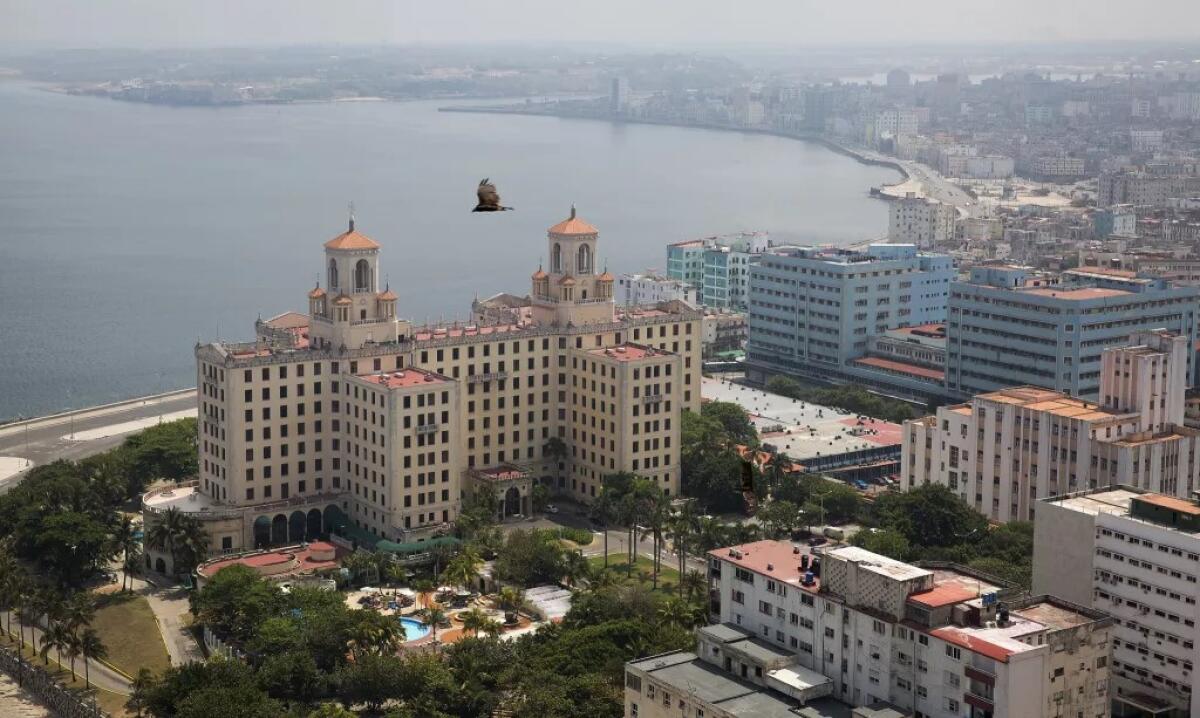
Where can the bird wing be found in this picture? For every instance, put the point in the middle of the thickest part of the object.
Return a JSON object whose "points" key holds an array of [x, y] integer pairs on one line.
{"points": [[487, 195]]}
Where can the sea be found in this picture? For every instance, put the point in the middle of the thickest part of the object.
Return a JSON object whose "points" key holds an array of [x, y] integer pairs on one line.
{"points": [[129, 232]]}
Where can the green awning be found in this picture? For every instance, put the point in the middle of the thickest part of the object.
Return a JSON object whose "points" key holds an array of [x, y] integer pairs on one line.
{"points": [[416, 546]]}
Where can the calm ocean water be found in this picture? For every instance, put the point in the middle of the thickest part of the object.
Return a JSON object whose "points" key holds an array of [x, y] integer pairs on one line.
{"points": [[129, 231]]}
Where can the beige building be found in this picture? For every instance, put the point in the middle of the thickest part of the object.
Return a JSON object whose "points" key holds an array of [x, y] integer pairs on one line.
{"points": [[350, 416], [1007, 449]]}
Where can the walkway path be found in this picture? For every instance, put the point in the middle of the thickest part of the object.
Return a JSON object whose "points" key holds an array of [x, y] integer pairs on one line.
{"points": [[170, 605]]}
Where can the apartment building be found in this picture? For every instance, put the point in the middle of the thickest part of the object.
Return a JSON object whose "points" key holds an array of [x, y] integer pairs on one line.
{"points": [[919, 221], [1145, 188], [350, 417], [935, 641], [1005, 450], [650, 288], [718, 267], [1135, 555], [1010, 326]]}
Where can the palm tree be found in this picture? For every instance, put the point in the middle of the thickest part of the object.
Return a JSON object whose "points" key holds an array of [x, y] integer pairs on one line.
{"points": [[554, 449], [92, 649], [576, 568], [48, 605], [512, 601], [56, 636], [424, 587], [140, 686], [434, 615], [359, 563], [675, 612], [475, 620], [11, 578], [73, 649], [376, 634], [657, 515], [125, 540], [692, 584], [181, 536], [78, 611], [602, 511], [440, 555], [463, 570]]}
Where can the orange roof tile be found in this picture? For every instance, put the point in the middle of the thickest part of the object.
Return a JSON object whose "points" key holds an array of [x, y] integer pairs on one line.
{"points": [[352, 240], [567, 280], [342, 299], [316, 292], [388, 295], [540, 274], [573, 226], [605, 277]]}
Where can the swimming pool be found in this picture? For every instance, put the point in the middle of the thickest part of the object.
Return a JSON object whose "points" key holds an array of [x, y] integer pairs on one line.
{"points": [[414, 629]]}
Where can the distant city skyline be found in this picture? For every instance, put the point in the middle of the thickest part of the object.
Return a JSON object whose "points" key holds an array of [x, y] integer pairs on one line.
{"points": [[37, 24]]}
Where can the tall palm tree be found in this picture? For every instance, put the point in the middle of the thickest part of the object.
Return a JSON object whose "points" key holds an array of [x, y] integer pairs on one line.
{"points": [[376, 634], [424, 587], [434, 615], [92, 649], [78, 611], [602, 511], [73, 650], [125, 540], [440, 554], [45, 605], [11, 581], [675, 612], [56, 636]]}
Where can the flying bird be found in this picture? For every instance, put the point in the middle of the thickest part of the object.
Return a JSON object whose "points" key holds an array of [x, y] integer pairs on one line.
{"points": [[489, 199]]}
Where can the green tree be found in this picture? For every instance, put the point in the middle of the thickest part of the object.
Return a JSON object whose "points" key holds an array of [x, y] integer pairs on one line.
{"points": [[166, 451], [733, 420], [531, 557], [779, 517], [372, 680], [292, 677], [930, 515], [235, 601], [886, 542]]}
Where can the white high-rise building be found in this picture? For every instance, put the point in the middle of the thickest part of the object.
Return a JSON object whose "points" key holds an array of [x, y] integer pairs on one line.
{"points": [[650, 288], [1136, 556]]}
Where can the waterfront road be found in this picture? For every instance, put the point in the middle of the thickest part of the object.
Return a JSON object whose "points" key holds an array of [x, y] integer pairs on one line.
{"points": [[77, 434]]}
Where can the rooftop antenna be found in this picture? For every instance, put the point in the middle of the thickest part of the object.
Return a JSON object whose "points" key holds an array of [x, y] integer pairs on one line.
{"points": [[351, 215], [572, 210]]}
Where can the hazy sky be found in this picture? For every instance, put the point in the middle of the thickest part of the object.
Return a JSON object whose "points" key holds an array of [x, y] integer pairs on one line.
{"points": [[168, 23]]}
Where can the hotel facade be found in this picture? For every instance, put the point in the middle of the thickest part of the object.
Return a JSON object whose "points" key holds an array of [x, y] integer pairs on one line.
{"points": [[350, 416]]}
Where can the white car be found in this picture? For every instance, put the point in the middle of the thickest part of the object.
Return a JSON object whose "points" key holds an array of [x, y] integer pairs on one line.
{"points": [[551, 509]]}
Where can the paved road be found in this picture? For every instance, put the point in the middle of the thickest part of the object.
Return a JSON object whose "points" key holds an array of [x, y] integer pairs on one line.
{"points": [[101, 675], [46, 439]]}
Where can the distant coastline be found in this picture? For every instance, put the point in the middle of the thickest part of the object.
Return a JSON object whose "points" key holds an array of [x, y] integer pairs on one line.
{"points": [[862, 156]]}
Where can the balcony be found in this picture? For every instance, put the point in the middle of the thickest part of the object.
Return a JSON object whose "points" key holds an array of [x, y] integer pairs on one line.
{"points": [[983, 703], [978, 674]]}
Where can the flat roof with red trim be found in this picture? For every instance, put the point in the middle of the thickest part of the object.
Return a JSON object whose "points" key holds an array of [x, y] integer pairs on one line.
{"points": [[630, 352], [903, 368], [776, 560], [403, 378]]}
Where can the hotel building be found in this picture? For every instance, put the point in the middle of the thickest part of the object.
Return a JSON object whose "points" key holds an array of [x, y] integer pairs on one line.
{"points": [[350, 417]]}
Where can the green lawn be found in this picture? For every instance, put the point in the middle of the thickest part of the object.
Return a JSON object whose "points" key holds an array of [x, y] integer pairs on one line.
{"points": [[668, 577], [129, 631]]}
